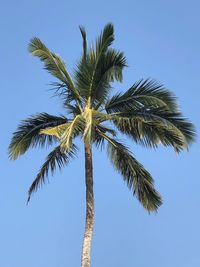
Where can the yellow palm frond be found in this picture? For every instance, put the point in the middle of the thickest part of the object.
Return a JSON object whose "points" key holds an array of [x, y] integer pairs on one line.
{"points": [[56, 131]]}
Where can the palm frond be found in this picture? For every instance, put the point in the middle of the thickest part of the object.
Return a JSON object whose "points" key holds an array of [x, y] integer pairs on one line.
{"points": [[53, 64], [59, 89], [151, 133], [72, 109], [28, 133], [104, 40], [86, 69], [94, 80], [136, 177], [154, 126], [101, 66], [83, 74], [105, 129], [83, 33], [55, 158], [74, 128], [98, 138], [109, 69], [181, 123], [56, 131], [143, 94]]}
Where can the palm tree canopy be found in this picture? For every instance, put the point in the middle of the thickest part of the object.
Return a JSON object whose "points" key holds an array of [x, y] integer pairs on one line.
{"points": [[147, 112]]}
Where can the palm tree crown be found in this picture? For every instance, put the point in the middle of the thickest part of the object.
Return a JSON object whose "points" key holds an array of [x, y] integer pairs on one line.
{"points": [[147, 112]]}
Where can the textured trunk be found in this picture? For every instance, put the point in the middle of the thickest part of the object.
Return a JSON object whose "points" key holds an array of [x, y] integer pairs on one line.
{"points": [[85, 261]]}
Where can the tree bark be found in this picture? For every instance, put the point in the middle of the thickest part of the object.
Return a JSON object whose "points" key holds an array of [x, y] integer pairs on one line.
{"points": [[85, 261]]}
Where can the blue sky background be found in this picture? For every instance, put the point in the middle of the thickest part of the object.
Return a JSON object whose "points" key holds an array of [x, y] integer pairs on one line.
{"points": [[161, 40]]}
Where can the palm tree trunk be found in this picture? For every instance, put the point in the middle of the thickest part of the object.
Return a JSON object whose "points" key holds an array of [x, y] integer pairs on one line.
{"points": [[85, 261]]}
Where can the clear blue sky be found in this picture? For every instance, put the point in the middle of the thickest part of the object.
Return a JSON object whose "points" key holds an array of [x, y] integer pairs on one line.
{"points": [[161, 39]]}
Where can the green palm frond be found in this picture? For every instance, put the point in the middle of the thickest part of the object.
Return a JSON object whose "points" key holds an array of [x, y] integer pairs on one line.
{"points": [[28, 133], [180, 122], [104, 40], [99, 139], [60, 90], [89, 71], [106, 129], [55, 158], [136, 177], [72, 109], [109, 69], [83, 74], [143, 94], [52, 62], [95, 84], [154, 126], [83, 33], [54, 65], [152, 133]]}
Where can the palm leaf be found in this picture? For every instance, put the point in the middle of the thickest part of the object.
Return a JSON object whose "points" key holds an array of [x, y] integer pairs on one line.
{"points": [[72, 109], [74, 128], [55, 158], [136, 177], [96, 84], [109, 69], [152, 133], [99, 139], [154, 126], [54, 65], [83, 74], [83, 33], [86, 70], [104, 40], [28, 133], [143, 94], [56, 131]]}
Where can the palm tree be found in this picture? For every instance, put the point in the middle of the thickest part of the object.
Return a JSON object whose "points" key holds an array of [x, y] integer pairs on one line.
{"points": [[147, 113]]}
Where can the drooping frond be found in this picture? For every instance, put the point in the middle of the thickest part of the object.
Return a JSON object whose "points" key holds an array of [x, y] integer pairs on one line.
{"points": [[66, 132], [143, 94], [55, 158], [74, 128], [136, 177], [105, 129], [151, 133], [56, 131], [154, 126], [99, 139], [54, 65], [28, 133]]}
